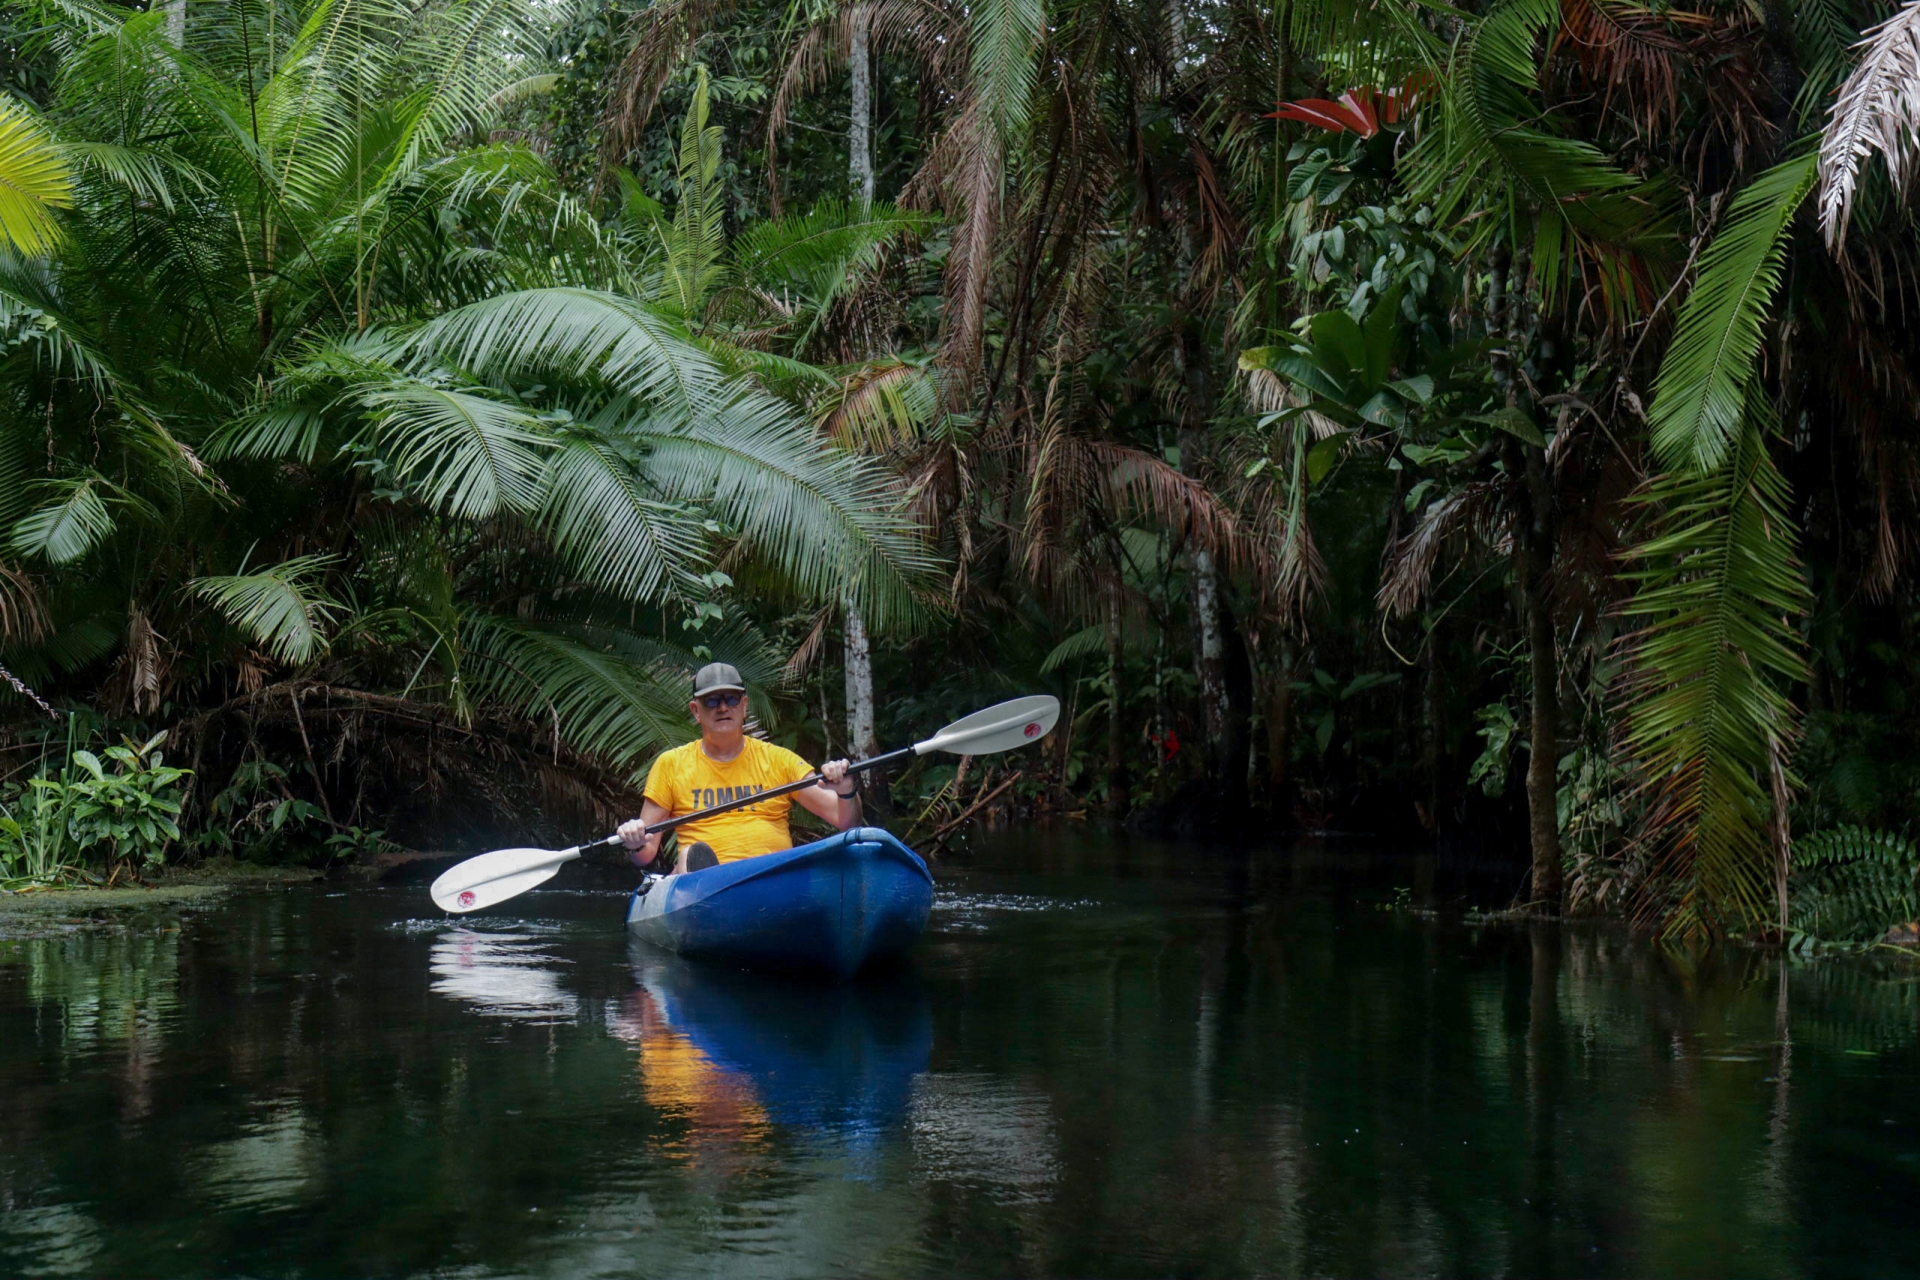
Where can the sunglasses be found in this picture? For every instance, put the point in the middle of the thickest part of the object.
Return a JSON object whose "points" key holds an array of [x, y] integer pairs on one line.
{"points": [[715, 701]]}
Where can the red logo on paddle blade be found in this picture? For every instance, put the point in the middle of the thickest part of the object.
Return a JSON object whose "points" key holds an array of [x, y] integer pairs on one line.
{"points": [[466, 897], [1033, 729]]}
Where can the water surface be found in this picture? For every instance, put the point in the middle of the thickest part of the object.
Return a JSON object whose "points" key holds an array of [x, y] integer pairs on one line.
{"points": [[1108, 1057]]}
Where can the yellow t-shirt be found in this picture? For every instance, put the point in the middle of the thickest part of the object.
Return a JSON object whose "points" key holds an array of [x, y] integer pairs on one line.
{"points": [[686, 778]]}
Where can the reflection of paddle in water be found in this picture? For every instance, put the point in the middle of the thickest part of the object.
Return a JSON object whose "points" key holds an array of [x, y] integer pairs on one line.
{"points": [[504, 975]]}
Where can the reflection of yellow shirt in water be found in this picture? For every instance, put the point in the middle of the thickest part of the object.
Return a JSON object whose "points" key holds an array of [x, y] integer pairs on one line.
{"points": [[686, 778]]}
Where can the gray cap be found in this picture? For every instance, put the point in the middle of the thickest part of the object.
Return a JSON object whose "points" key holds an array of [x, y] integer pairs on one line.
{"points": [[717, 677]]}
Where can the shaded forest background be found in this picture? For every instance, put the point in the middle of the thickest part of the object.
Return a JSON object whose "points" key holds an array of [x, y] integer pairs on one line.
{"points": [[1489, 425]]}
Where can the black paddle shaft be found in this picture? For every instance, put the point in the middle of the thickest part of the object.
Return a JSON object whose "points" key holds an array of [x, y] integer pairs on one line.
{"points": [[811, 779]]}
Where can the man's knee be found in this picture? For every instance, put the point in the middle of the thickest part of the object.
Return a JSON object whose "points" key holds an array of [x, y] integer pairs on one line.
{"points": [[698, 857]]}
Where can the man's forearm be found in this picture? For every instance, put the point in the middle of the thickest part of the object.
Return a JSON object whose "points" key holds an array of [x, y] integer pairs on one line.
{"points": [[850, 810]]}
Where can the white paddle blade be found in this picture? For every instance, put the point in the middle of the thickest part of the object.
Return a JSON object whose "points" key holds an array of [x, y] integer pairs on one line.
{"points": [[998, 728], [495, 877]]}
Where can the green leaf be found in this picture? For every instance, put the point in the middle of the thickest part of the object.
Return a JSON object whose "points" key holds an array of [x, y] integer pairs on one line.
{"points": [[1700, 393], [1514, 422], [67, 528], [1322, 456], [283, 607], [33, 180], [1083, 643], [1718, 584]]}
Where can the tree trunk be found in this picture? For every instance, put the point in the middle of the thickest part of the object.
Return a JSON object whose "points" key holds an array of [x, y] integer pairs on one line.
{"points": [[860, 740], [177, 23], [860, 131], [1280, 726], [1211, 661], [1542, 788], [1211, 652], [1116, 714]]}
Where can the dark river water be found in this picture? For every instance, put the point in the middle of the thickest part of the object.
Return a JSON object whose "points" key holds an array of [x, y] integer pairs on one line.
{"points": [[1108, 1058]]}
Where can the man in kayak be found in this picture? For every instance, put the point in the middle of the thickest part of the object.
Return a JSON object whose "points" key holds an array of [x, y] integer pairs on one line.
{"points": [[723, 765]]}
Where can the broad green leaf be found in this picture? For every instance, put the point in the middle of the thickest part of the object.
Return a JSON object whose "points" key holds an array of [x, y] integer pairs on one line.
{"points": [[1322, 456], [1514, 422]]}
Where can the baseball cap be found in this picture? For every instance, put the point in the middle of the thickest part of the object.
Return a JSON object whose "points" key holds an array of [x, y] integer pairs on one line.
{"points": [[717, 677]]}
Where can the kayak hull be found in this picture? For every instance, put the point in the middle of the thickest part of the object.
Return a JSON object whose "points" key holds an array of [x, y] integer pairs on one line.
{"points": [[832, 906]]}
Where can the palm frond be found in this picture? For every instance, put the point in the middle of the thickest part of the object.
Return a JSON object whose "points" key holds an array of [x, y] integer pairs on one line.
{"points": [[1852, 884], [696, 237], [282, 608], [584, 335], [881, 406], [599, 516], [1084, 643], [73, 522], [464, 452], [1877, 109], [602, 702], [33, 180], [1003, 51], [1700, 395], [826, 521], [1717, 584]]}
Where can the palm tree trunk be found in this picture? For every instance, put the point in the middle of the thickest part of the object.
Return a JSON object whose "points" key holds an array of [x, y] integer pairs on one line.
{"points": [[1211, 661], [1543, 820], [1116, 713], [1280, 725], [860, 737], [860, 130], [861, 741], [1211, 656]]}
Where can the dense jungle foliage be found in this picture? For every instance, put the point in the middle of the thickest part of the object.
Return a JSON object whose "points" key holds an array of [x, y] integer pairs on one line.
{"points": [[1486, 423]]}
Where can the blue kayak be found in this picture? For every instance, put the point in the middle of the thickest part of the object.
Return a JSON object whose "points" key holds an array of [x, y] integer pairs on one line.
{"points": [[830, 906]]}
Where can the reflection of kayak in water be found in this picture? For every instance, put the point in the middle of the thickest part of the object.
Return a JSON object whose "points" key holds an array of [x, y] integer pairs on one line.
{"points": [[840, 1059], [833, 905]]}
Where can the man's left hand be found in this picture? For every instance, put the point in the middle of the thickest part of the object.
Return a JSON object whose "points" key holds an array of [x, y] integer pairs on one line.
{"points": [[834, 773]]}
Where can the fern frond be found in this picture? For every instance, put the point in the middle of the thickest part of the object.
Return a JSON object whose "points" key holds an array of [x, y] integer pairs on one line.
{"points": [[1849, 885]]}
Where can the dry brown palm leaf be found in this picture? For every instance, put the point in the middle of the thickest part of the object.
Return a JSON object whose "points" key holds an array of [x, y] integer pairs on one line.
{"points": [[1877, 109], [915, 30], [976, 196], [1178, 501], [1410, 562], [880, 407], [1632, 50], [666, 32], [23, 613], [139, 676], [810, 646]]}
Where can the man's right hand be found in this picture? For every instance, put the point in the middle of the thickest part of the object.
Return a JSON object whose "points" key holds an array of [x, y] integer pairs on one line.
{"points": [[641, 847]]}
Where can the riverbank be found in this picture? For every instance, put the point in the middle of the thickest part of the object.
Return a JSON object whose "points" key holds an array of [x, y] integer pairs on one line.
{"points": [[45, 912]]}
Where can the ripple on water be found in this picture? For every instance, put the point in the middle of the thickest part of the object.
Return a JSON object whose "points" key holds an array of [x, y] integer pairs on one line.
{"points": [[972, 911]]}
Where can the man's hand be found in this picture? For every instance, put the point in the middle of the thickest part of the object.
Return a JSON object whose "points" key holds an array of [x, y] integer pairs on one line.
{"points": [[834, 773], [641, 847]]}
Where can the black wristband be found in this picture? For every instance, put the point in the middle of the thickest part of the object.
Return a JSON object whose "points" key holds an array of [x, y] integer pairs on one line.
{"points": [[847, 795]]}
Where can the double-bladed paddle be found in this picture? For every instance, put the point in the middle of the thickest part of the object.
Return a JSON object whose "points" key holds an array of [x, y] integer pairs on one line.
{"points": [[505, 873]]}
